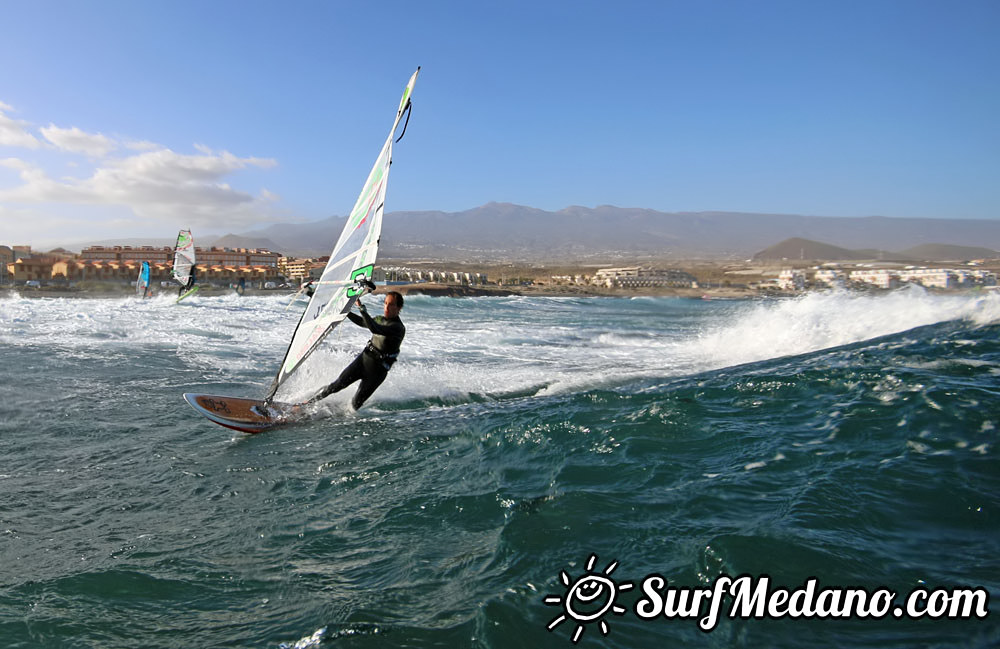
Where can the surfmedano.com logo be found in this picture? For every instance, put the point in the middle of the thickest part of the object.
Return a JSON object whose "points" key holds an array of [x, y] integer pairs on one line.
{"points": [[592, 596], [588, 598]]}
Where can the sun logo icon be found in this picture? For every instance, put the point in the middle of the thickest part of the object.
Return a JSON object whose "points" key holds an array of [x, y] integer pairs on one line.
{"points": [[588, 599]]}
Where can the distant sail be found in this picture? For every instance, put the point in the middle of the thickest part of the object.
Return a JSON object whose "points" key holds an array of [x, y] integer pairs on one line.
{"points": [[183, 257], [352, 260], [142, 284]]}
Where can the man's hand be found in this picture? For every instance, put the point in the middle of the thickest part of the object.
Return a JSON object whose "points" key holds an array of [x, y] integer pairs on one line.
{"points": [[322, 394], [361, 307]]}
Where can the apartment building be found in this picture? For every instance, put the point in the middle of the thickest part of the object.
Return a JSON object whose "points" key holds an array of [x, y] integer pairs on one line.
{"points": [[877, 277], [792, 279], [830, 277], [638, 277], [234, 257]]}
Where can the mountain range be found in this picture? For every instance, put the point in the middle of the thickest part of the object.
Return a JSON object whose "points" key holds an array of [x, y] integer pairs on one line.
{"points": [[803, 249], [508, 232]]}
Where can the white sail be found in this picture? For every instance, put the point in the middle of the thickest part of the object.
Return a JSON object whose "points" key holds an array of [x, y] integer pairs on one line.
{"points": [[142, 283], [352, 260], [183, 257]]}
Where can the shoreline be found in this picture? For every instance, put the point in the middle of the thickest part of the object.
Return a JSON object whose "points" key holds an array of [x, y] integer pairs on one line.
{"points": [[715, 280], [431, 289], [459, 291]]}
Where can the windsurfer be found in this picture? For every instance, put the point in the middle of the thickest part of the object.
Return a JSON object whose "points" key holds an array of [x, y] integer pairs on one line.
{"points": [[372, 365], [190, 283]]}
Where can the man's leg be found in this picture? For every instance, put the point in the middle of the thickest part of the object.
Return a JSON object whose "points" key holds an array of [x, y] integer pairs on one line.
{"points": [[374, 376], [351, 373], [366, 389]]}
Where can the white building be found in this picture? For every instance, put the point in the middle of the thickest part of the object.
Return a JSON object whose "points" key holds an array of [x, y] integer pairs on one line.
{"points": [[792, 279], [983, 277], [830, 277], [931, 277], [636, 277], [948, 277], [877, 277]]}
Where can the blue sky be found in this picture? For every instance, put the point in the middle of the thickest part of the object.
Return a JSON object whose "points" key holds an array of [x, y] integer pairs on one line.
{"points": [[132, 118]]}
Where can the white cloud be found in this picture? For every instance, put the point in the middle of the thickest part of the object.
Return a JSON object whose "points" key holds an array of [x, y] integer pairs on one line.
{"points": [[14, 132], [36, 186], [44, 228], [14, 163], [147, 184], [76, 141], [161, 184], [166, 166], [142, 145]]}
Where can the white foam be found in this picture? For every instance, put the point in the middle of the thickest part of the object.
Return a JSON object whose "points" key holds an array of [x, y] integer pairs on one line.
{"points": [[815, 321], [487, 347]]}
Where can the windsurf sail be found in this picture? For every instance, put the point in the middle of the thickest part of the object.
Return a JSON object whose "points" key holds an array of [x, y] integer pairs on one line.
{"points": [[142, 284], [351, 262], [183, 258]]}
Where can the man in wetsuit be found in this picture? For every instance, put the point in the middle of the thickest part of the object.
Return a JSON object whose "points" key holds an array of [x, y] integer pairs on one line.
{"points": [[372, 365]]}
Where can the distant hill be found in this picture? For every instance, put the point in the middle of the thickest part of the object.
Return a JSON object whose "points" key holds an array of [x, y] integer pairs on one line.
{"points": [[502, 231], [608, 234], [943, 252], [804, 249], [312, 239], [796, 248]]}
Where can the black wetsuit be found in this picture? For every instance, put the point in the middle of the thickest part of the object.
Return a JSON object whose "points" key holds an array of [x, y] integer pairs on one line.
{"points": [[372, 365]]}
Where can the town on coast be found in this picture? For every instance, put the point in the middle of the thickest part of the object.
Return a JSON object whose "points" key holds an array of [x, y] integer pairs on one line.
{"points": [[109, 271]]}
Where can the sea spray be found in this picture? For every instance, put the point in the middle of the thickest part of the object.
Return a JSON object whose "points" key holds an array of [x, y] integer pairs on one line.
{"points": [[820, 320]]}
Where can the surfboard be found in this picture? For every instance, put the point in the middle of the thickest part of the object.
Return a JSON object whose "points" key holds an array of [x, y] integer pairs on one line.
{"points": [[245, 415], [191, 292]]}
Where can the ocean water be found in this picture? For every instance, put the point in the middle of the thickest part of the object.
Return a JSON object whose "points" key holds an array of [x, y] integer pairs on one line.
{"points": [[519, 445]]}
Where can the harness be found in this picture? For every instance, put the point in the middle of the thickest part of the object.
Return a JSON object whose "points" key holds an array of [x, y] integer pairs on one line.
{"points": [[386, 359]]}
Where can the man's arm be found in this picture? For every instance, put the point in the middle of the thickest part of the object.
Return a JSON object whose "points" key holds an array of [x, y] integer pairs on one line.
{"points": [[392, 329]]}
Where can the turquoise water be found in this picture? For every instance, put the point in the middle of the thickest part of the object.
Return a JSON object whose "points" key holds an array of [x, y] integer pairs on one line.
{"points": [[850, 438]]}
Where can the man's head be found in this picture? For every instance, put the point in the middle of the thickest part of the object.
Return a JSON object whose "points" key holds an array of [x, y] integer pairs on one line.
{"points": [[393, 304]]}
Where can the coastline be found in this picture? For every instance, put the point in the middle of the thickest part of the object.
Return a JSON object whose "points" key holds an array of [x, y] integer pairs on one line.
{"points": [[722, 280], [447, 290], [431, 289], [459, 291]]}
